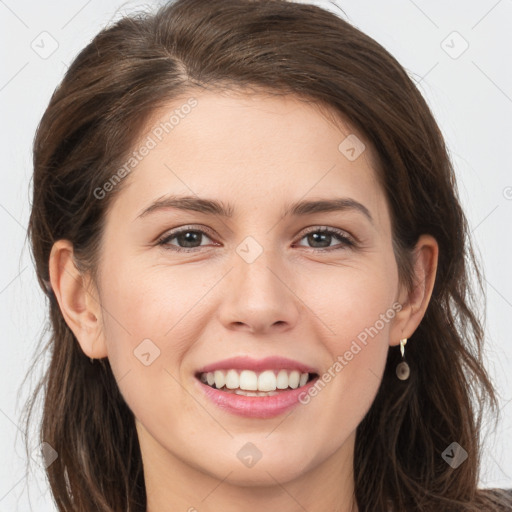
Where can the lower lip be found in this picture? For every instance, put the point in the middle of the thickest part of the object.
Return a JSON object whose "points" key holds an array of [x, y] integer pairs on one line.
{"points": [[256, 406]]}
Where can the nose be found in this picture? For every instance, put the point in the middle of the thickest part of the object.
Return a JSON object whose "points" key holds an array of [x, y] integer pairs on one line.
{"points": [[259, 296]]}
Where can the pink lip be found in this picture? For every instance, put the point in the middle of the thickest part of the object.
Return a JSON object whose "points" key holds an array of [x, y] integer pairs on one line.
{"points": [[257, 365], [256, 406]]}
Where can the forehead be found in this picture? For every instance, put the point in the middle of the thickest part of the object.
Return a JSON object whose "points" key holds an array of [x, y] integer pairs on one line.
{"points": [[250, 149]]}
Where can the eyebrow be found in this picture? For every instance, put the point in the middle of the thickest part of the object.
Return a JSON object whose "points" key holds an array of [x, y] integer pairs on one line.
{"points": [[215, 207]]}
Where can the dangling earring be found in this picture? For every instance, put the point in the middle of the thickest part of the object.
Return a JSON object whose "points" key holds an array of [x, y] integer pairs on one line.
{"points": [[92, 360], [402, 369]]}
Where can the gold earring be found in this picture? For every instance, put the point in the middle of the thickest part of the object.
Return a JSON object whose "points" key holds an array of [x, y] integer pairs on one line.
{"points": [[402, 370]]}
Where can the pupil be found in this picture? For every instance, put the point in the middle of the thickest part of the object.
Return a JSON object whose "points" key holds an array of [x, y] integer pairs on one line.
{"points": [[190, 239], [316, 236]]}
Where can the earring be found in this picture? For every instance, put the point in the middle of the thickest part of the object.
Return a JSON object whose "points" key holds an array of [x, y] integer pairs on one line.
{"points": [[92, 360], [402, 369]]}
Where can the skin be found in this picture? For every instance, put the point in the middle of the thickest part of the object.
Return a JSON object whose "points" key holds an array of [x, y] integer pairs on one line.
{"points": [[257, 153]]}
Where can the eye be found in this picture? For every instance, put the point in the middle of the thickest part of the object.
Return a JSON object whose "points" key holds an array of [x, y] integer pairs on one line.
{"points": [[324, 236], [188, 237]]}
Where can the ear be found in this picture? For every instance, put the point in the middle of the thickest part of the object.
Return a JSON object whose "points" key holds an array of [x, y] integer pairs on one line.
{"points": [[415, 302], [78, 300]]}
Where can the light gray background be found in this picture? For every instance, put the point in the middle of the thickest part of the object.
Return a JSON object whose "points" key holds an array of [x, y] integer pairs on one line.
{"points": [[470, 95]]}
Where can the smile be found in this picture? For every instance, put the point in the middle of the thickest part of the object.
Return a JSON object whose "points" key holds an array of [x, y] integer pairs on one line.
{"points": [[251, 383], [255, 403]]}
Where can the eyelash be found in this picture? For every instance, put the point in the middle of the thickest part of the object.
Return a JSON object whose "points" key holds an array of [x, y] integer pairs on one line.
{"points": [[346, 241]]}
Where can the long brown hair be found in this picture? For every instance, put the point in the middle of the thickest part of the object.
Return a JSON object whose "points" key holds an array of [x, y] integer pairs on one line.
{"points": [[92, 122]]}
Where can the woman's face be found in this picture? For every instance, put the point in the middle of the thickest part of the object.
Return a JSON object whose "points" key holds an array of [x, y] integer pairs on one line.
{"points": [[261, 282]]}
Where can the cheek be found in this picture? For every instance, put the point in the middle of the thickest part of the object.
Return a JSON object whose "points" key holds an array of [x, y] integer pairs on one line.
{"points": [[144, 302], [146, 343], [356, 309], [152, 317], [137, 312], [352, 301]]}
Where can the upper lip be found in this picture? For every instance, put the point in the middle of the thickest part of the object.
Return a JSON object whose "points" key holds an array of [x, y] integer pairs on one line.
{"points": [[257, 365]]}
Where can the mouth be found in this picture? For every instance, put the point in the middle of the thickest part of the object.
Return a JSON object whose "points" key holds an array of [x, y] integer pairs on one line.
{"points": [[256, 384], [256, 388]]}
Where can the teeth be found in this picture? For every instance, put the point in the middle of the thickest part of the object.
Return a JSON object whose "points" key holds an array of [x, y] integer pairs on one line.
{"points": [[253, 393], [293, 379], [266, 381], [232, 379], [250, 383], [282, 379], [220, 379]]}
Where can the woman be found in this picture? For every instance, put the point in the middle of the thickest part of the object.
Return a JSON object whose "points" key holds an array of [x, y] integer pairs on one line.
{"points": [[258, 369]]}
